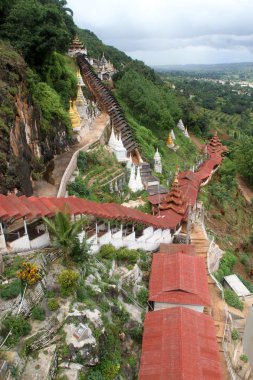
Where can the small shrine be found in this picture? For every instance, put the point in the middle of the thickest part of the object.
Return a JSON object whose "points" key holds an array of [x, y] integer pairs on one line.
{"points": [[157, 162], [116, 145], [170, 142], [135, 183], [215, 145], [76, 47], [80, 99], [79, 78], [174, 200], [180, 125]]}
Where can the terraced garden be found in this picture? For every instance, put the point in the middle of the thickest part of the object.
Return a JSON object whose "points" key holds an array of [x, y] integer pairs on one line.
{"points": [[97, 169]]}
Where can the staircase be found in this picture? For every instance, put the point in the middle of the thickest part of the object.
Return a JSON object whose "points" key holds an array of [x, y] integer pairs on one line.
{"points": [[150, 182], [217, 310]]}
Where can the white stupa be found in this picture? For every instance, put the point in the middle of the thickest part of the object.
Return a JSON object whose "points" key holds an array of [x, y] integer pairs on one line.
{"points": [[112, 143], [116, 145], [186, 133], [173, 135], [132, 180], [139, 184], [180, 125], [129, 162], [157, 162]]}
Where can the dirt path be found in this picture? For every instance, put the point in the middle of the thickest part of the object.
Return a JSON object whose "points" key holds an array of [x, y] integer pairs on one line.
{"points": [[196, 142], [50, 189], [246, 191], [217, 304]]}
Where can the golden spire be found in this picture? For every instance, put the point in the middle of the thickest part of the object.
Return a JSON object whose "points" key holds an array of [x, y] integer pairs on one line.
{"points": [[176, 175], [169, 141], [74, 116], [79, 98]]}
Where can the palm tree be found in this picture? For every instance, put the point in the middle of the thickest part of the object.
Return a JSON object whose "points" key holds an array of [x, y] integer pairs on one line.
{"points": [[64, 232]]}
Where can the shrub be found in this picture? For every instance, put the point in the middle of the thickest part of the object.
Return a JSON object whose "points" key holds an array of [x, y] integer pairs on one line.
{"points": [[29, 273], [129, 255], [107, 251], [11, 270], [232, 299], [38, 313], [109, 369], [53, 304], [244, 259], [234, 334], [142, 296], [68, 281], [19, 326], [136, 334], [11, 290], [244, 358], [227, 263]]}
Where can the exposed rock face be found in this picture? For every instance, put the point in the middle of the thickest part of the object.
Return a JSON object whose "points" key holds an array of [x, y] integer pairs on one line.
{"points": [[24, 149]]}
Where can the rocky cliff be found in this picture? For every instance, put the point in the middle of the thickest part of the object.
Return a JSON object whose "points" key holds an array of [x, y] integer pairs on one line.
{"points": [[25, 147]]}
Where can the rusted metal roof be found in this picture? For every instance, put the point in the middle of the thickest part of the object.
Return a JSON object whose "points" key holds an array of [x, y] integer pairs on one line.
{"points": [[179, 344], [179, 279]]}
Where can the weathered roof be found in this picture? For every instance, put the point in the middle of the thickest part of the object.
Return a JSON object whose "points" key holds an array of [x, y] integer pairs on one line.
{"points": [[179, 344], [188, 249], [178, 279], [13, 208]]}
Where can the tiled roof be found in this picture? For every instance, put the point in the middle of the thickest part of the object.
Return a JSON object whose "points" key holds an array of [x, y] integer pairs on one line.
{"points": [[188, 249], [178, 279], [179, 344], [13, 207]]}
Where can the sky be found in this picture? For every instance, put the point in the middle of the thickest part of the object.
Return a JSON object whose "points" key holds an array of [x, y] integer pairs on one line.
{"points": [[163, 32]]}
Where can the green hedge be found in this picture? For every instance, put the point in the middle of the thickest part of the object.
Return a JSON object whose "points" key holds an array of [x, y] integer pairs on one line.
{"points": [[232, 299], [226, 266]]}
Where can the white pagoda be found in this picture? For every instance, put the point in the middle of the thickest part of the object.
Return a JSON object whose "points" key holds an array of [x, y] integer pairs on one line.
{"points": [[157, 162]]}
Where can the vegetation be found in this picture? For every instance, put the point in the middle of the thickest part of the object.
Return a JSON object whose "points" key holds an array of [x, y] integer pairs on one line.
{"points": [[232, 299], [64, 233], [18, 326], [122, 254], [226, 266], [235, 334], [38, 28], [38, 313], [68, 281], [11, 290], [53, 304], [29, 274]]}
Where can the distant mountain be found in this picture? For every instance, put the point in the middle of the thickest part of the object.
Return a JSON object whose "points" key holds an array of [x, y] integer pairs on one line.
{"points": [[221, 67]]}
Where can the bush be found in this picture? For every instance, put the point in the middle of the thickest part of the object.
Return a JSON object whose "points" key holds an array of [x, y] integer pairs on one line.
{"points": [[38, 313], [11, 270], [232, 299], [53, 304], [244, 259], [227, 263], [136, 334], [142, 297], [234, 334], [107, 251], [11, 290], [109, 369], [129, 255], [19, 326], [68, 281], [244, 358]]}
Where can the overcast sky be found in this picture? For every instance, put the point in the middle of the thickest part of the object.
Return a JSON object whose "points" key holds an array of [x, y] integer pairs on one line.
{"points": [[172, 31]]}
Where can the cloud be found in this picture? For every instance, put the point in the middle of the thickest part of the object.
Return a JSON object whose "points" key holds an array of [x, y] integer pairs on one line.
{"points": [[150, 29]]}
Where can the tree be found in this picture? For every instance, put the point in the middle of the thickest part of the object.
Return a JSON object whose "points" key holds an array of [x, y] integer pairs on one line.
{"points": [[38, 28], [244, 158], [64, 232]]}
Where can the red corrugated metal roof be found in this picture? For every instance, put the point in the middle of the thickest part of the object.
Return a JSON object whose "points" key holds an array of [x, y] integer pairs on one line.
{"points": [[13, 207], [178, 279], [179, 344]]}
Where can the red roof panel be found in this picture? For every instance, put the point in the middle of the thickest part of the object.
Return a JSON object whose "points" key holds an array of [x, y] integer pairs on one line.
{"points": [[179, 344], [178, 279], [188, 249]]}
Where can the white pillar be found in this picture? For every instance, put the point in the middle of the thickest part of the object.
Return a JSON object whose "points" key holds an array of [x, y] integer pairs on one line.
{"points": [[25, 227]]}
